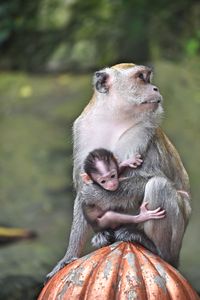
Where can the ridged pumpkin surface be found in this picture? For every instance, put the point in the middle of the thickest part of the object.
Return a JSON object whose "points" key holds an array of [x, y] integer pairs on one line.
{"points": [[124, 271]]}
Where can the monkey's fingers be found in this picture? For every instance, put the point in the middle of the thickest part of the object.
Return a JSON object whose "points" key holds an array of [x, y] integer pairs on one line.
{"points": [[162, 212], [135, 159], [144, 205], [138, 161], [138, 156], [133, 166], [61, 264], [158, 216], [157, 210], [158, 213]]}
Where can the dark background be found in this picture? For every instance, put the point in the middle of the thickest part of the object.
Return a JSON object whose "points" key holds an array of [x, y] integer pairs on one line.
{"points": [[48, 52]]}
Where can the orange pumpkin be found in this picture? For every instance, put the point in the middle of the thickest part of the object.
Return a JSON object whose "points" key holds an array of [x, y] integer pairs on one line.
{"points": [[119, 271]]}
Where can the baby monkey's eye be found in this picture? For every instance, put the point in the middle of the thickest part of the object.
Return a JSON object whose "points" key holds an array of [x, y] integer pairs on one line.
{"points": [[113, 176], [103, 181]]}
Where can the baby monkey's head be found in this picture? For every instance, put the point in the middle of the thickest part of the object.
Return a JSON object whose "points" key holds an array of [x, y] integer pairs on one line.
{"points": [[101, 167]]}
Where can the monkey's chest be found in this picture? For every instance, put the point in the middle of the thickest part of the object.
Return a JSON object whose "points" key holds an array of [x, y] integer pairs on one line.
{"points": [[101, 135]]}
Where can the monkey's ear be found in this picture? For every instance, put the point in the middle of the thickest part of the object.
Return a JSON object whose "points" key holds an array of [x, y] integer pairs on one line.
{"points": [[86, 178], [100, 81]]}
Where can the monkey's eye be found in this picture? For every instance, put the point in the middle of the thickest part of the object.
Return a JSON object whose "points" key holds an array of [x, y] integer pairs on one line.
{"points": [[113, 176], [103, 181], [141, 76]]}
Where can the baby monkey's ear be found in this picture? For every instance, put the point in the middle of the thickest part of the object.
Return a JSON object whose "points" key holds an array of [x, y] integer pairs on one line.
{"points": [[100, 81], [86, 178]]}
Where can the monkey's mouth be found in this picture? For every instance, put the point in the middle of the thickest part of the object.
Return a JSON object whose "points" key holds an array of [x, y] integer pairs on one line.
{"points": [[151, 101], [150, 105]]}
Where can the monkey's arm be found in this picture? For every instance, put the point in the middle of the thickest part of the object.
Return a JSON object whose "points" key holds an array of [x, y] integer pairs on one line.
{"points": [[113, 219], [78, 235], [137, 138], [78, 161], [92, 213]]}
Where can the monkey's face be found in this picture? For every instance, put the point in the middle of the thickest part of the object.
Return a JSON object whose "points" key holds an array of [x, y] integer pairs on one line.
{"points": [[107, 177], [128, 88]]}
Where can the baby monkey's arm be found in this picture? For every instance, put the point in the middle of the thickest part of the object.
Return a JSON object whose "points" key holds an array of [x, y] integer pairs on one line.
{"points": [[113, 219]]}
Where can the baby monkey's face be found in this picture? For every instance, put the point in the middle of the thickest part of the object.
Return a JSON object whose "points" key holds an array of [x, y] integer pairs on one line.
{"points": [[107, 177]]}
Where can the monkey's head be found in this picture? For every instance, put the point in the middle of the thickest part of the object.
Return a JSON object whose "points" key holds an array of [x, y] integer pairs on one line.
{"points": [[128, 87], [101, 167]]}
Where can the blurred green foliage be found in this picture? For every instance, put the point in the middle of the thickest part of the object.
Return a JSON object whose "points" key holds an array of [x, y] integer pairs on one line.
{"points": [[36, 115], [76, 35]]}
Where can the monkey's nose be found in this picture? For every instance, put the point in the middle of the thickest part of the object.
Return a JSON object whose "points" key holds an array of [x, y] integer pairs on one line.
{"points": [[112, 186]]}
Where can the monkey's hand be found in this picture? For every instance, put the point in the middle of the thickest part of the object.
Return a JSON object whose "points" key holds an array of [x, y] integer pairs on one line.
{"points": [[134, 162], [146, 214], [61, 264]]}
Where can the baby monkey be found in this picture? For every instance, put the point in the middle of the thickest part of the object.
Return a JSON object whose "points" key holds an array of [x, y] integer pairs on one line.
{"points": [[102, 168]]}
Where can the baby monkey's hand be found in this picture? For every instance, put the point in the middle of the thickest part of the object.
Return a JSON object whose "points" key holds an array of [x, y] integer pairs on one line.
{"points": [[112, 219], [132, 162], [146, 214]]}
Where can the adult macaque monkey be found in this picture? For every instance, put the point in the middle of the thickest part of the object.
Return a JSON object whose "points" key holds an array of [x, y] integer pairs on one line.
{"points": [[123, 117]]}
